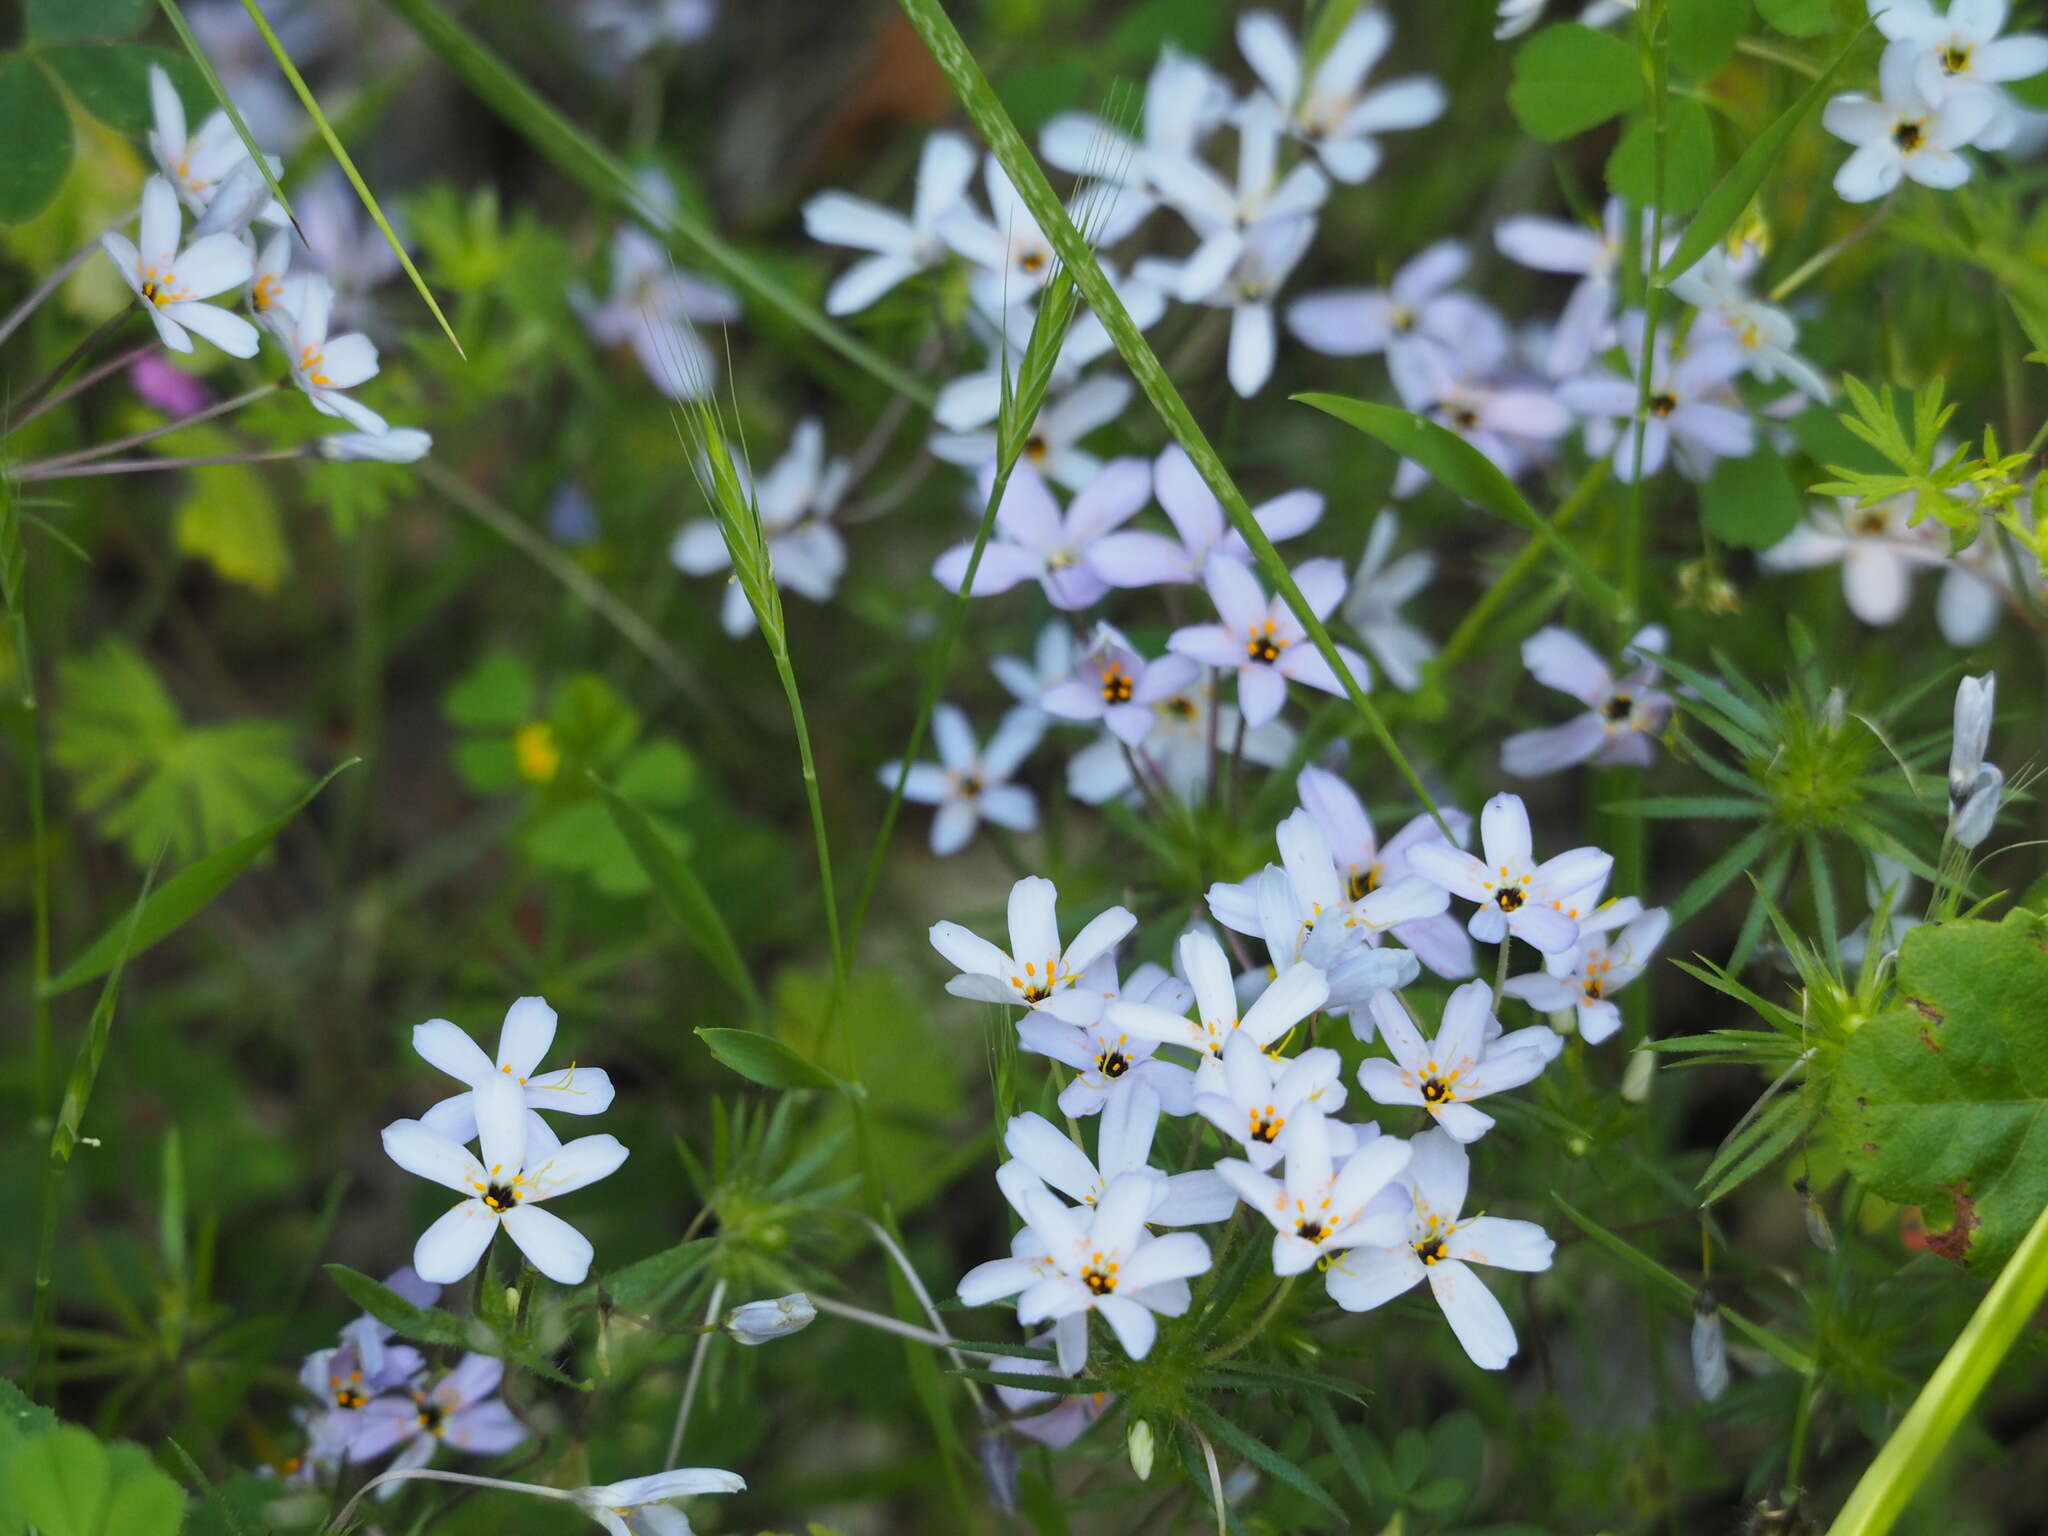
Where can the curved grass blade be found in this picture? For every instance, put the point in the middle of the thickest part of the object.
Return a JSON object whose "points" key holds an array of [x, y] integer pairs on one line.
{"points": [[1732, 193], [584, 160], [227, 105], [348, 169], [1463, 470], [988, 114], [180, 899]]}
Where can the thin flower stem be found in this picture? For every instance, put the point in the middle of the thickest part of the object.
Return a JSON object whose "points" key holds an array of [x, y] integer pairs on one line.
{"points": [[1500, 972], [80, 384], [435, 1475], [45, 288], [39, 398], [1479, 618], [675, 1438], [1215, 1484], [1652, 40], [1819, 262], [135, 440], [897, 1326], [147, 466]]}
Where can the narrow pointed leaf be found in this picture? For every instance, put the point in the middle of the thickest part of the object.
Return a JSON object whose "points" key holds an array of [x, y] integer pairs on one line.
{"points": [[227, 104]]}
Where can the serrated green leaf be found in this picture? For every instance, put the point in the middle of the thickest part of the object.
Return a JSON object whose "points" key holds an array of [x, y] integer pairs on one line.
{"points": [[765, 1060], [1688, 158], [1943, 1100], [37, 135], [181, 898], [1751, 503], [1570, 78]]}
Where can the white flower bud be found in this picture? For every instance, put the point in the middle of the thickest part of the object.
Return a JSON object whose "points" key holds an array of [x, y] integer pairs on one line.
{"points": [[1709, 1347], [1141, 1445], [756, 1322], [401, 445], [1970, 818], [1637, 1076], [1975, 698]]}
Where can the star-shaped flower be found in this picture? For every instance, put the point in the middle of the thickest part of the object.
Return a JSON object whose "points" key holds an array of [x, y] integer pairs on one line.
{"points": [[173, 283], [1469, 1059], [1261, 640], [1039, 972], [1515, 894]]}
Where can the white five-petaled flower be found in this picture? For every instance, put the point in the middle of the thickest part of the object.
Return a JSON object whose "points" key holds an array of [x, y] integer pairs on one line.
{"points": [[1960, 53], [1765, 333], [1319, 1206], [1261, 640], [1585, 977], [528, 1031], [1417, 319], [1879, 548], [196, 165], [1119, 687], [1053, 446], [1364, 865], [653, 308], [1226, 217], [1012, 257], [1043, 1155], [1537, 903], [1691, 407], [1109, 1062], [324, 366], [502, 1187], [1140, 558], [971, 784], [172, 283], [901, 247], [1266, 1099], [1040, 543], [1269, 252], [640, 1506], [796, 498], [1468, 1059], [1974, 786], [1513, 423], [1298, 991], [1178, 754], [1331, 111], [1901, 135], [1440, 1247], [1039, 972], [462, 1409], [1373, 606], [1623, 715]]}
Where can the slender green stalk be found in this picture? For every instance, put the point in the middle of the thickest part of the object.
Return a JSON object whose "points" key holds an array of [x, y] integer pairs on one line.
{"points": [[828, 892], [582, 158], [94, 467], [176, 17], [940, 36], [38, 469], [1257, 1325], [1653, 36], [1888, 1485], [1479, 618], [348, 168], [29, 742]]}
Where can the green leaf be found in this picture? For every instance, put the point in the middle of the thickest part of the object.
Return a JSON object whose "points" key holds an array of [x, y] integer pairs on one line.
{"points": [[765, 1060], [652, 1282], [1751, 503], [1942, 1100], [60, 1481], [1704, 34], [1254, 1450], [684, 897], [1464, 471], [1570, 78], [37, 135], [153, 782], [228, 519], [1731, 195], [181, 898], [1688, 158], [496, 694], [429, 1325], [1797, 18], [52, 21], [143, 1500], [111, 80]]}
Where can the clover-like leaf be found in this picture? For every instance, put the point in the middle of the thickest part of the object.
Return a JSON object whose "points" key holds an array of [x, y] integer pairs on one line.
{"points": [[1942, 1100]]}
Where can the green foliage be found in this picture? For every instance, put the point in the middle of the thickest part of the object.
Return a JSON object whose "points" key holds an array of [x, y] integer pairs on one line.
{"points": [[37, 134], [1940, 1099], [765, 1060], [1751, 503], [153, 782], [52, 21], [682, 894], [1688, 158], [1570, 78], [1797, 18], [60, 1480], [1704, 34], [111, 80]]}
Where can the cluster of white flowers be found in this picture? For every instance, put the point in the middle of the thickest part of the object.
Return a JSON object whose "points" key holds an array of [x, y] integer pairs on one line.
{"points": [[175, 274], [1347, 924], [1941, 89]]}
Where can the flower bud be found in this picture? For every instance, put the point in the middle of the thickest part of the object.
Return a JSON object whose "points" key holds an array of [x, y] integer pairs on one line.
{"points": [[1818, 1232], [999, 1469], [1975, 698], [1709, 1346], [756, 1322], [1637, 1076], [400, 445], [1140, 1444]]}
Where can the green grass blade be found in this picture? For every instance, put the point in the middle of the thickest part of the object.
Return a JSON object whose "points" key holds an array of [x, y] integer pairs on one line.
{"points": [[1465, 471], [227, 105], [584, 160], [1888, 1485], [683, 894], [943, 40], [348, 169], [181, 898]]}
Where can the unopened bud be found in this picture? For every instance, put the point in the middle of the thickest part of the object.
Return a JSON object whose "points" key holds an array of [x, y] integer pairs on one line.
{"points": [[1139, 1443], [511, 1301], [1818, 1232], [1637, 1076], [999, 1470], [756, 1322], [1709, 1346]]}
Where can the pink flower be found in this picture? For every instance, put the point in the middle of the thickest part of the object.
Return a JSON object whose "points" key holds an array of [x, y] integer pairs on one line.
{"points": [[166, 387]]}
